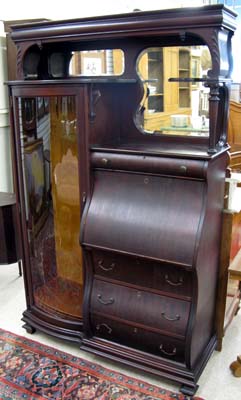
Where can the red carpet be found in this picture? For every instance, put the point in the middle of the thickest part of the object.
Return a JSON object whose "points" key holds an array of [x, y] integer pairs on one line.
{"points": [[30, 370]]}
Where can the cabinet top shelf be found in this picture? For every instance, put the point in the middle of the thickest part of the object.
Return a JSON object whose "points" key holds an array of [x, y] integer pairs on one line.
{"points": [[133, 24], [71, 81], [179, 150]]}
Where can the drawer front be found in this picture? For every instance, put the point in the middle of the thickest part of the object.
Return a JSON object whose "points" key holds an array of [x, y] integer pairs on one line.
{"points": [[149, 274], [161, 312], [141, 339]]}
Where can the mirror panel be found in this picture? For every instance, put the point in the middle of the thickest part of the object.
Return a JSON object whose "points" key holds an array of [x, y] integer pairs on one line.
{"points": [[175, 100], [97, 63]]}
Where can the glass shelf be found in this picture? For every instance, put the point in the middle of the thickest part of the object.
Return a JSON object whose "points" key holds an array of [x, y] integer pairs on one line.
{"points": [[188, 130]]}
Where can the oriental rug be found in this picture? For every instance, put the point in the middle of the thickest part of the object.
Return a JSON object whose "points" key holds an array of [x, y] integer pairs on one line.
{"points": [[33, 371]]}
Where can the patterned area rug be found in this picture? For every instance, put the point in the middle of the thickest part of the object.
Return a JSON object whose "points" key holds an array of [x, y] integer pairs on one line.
{"points": [[30, 370]]}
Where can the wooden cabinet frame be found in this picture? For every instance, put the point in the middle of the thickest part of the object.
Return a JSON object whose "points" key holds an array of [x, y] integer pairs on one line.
{"points": [[146, 200]]}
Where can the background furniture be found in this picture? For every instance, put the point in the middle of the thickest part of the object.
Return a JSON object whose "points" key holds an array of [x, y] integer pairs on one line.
{"points": [[165, 98], [234, 126], [141, 202], [229, 290], [236, 367], [9, 234], [235, 256]]}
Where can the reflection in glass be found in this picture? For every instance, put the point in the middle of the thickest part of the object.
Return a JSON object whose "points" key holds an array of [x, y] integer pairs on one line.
{"points": [[97, 62], [50, 164], [175, 99]]}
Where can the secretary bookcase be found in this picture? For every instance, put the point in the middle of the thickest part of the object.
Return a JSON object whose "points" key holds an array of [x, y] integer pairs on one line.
{"points": [[120, 220]]}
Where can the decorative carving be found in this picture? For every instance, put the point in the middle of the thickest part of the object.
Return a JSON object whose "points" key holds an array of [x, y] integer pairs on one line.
{"points": [[212, 40], [19, 62], [213, 115], [95, 95], [224, 92], [27, 59]]}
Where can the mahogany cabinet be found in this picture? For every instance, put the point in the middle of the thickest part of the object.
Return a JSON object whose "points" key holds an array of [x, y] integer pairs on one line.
{"points": [[121, 224]]}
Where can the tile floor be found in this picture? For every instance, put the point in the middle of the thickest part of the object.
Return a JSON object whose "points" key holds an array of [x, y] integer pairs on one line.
{"points": [[216, 382]]}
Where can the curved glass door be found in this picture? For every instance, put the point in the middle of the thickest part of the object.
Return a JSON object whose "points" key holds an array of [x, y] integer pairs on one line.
{"points": [[49, 150]]}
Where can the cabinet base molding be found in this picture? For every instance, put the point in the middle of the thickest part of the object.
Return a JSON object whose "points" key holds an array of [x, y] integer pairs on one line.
{"points": [[33, 322], [152, 364]]}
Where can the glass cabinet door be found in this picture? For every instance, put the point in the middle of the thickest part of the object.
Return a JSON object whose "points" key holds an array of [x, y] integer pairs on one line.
{"points": [[50, 164]]}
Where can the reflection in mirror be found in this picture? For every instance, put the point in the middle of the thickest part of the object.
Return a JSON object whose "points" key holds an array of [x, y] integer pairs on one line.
{"points": [[175, 99], [51, 181], [97, 63]]}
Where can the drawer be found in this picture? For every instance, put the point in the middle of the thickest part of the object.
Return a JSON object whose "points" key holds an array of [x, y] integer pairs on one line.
{"points": [[161, 312], [170, 279], [139, 338]]}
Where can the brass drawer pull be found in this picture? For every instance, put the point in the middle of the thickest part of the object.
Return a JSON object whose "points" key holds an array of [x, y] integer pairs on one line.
{"points": [[174, 351], [105, 326], [107, 302], [105, 161], [176, 318], [178, 283], [110, 268]]}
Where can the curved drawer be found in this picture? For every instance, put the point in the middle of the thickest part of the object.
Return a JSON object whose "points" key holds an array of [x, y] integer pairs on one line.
{"points": [[196, 169], [158, 276], [161, 312], [139, 338]]}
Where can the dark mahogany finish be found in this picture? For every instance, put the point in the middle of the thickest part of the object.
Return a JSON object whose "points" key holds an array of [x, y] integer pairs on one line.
{"points": [[150, 204], [156, 277]]}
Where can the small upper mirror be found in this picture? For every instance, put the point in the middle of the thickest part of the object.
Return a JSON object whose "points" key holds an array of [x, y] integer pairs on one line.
{"points": [[175, 99], [97, 63]]}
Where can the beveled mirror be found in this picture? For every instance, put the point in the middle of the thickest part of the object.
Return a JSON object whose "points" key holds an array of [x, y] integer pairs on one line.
{"points": [[175, 100]]}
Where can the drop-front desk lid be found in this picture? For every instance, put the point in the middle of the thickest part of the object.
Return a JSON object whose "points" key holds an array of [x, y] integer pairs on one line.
{"points": [[156, 217]]}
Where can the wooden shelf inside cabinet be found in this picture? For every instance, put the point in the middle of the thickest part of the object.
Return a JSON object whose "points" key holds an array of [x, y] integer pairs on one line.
{"points": [[206, 81]]}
